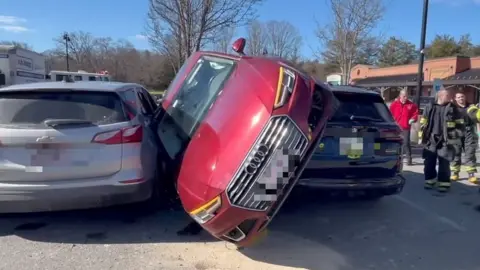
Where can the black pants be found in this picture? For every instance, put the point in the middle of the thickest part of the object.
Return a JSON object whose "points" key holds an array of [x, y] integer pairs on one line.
{"points": [[431, 153], [407, 148], [469, 146]]}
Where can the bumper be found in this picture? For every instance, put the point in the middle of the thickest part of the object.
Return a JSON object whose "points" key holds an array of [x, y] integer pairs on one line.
{"points": [[42, 198], [352, 184], [236, 225]]}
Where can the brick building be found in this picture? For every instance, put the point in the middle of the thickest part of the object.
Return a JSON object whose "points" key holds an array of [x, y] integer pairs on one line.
{"points": [[457, 73]]}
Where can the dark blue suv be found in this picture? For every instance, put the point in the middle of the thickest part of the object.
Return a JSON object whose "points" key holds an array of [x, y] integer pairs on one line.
{"points": [[361, 148]]}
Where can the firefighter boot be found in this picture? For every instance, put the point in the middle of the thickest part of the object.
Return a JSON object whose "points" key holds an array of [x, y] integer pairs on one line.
{"points": [[429, 184], [454, 176], [443, 186], [472, 178]]}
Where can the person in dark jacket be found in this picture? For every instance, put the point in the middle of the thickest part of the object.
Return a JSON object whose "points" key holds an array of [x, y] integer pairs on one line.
{"points": [[442, 127], [468, 143], [405, 113]]}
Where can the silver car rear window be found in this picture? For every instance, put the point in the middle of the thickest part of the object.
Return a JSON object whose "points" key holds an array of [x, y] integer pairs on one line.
{"points": [[32, 108]]}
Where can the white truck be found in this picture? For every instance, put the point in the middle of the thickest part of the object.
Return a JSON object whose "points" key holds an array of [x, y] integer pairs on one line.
{"points": [[18, 66], [81, 75]]}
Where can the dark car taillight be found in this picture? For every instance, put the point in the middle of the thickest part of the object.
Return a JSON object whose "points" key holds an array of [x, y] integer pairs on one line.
{"points": [[391, 135]]}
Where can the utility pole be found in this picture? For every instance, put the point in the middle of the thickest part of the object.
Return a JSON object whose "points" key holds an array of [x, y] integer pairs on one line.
{"points": [[422, 52], [66, 37]]}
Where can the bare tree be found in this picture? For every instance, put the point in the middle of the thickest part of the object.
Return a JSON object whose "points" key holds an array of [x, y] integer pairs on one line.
{"points": [[119, 57], [223, 40], [179, 27], [283, 39], [349, 35], [256, 38], [81, 47]]}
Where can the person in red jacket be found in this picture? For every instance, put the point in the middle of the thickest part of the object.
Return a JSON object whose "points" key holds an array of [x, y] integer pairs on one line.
{"points": [[405, 113]]}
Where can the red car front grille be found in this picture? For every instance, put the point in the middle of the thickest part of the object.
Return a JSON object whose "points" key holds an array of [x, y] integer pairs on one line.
{"points": [[268, 168]]}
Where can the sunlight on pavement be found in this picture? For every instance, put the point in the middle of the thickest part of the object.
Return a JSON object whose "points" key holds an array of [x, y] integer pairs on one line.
{"points": [[280, 250]]}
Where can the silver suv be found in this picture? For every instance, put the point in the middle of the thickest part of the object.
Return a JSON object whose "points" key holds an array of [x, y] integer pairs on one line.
{"points": [[66, 145]]}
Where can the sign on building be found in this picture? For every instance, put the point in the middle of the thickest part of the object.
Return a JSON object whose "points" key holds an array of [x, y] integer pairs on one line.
{"points": [[437, 85]]}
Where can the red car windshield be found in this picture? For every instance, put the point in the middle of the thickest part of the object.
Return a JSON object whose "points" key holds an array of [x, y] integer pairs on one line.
{"points": [[193, 101], [199, 91]]}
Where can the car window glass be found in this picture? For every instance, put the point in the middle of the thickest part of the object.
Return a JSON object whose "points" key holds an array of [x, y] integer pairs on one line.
{"points": [[145, 105], [149, 99], [130, 99], [33, 108], [199, 91], [178, 77], [361, 107]]}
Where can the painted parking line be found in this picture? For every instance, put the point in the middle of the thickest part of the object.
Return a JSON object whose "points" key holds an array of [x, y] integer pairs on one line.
{"points": [[454, 225]]}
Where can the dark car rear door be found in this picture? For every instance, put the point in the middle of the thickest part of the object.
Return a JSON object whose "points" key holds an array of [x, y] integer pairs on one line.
{"points": [[361, 141]]}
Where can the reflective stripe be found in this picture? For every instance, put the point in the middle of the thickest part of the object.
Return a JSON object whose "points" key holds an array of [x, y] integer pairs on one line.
{"points": [[423, 120], [477, 115], [450, 124], [430, 182], [471, 109], [455, 168], [376, 146], [444, 184], [459, 121]]}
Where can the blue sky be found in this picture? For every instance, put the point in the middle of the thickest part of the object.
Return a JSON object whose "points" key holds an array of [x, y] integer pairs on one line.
{"points": [[38, 22]]}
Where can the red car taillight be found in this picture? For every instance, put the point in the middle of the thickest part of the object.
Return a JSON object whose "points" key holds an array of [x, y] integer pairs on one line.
{"points": [[121, 136]]}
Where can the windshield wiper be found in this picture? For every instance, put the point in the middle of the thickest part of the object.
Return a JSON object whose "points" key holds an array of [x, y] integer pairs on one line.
{"points": [[66, 122], [363, 118]]}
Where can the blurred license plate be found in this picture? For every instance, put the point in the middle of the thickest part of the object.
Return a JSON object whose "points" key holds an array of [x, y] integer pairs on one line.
{"points": [[351, 147], [45, 157]]}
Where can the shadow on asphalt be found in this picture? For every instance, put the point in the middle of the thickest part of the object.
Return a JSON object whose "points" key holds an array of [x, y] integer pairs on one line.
{"points": [[319, 231], [114, 225]]}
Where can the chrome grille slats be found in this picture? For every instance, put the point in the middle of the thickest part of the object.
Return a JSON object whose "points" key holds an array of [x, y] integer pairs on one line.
{"points": [[278, 134]]}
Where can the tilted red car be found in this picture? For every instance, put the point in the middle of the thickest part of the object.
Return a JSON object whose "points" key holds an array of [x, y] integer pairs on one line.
{"points": [[238, 131]]}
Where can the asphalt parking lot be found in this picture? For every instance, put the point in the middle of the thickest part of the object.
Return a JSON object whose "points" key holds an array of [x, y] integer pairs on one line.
{"points": [[417, 229]]}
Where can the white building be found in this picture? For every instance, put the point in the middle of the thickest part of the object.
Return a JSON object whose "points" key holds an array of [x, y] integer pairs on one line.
{"points": [[19, 65]]}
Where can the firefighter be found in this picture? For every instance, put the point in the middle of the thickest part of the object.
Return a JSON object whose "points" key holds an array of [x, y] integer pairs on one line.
{"points": [[469, 143], [441, 131]]}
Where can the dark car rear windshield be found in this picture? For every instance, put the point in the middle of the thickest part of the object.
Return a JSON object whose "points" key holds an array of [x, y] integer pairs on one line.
{"points": [[33, 108], [361, 107]]}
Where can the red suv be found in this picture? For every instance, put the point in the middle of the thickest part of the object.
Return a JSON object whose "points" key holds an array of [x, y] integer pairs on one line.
{"points": [[237, 132]]}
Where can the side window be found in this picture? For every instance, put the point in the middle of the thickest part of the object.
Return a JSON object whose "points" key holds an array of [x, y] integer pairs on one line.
{"points": [[130, 99], [92, 78], [145, 106], [78, 78], [59, 78], [317, 110], [149, 98]]}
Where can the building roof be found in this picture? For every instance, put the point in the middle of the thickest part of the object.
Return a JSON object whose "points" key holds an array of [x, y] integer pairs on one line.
{"points": [[80, 86], [471, 74], [394, 80]]}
